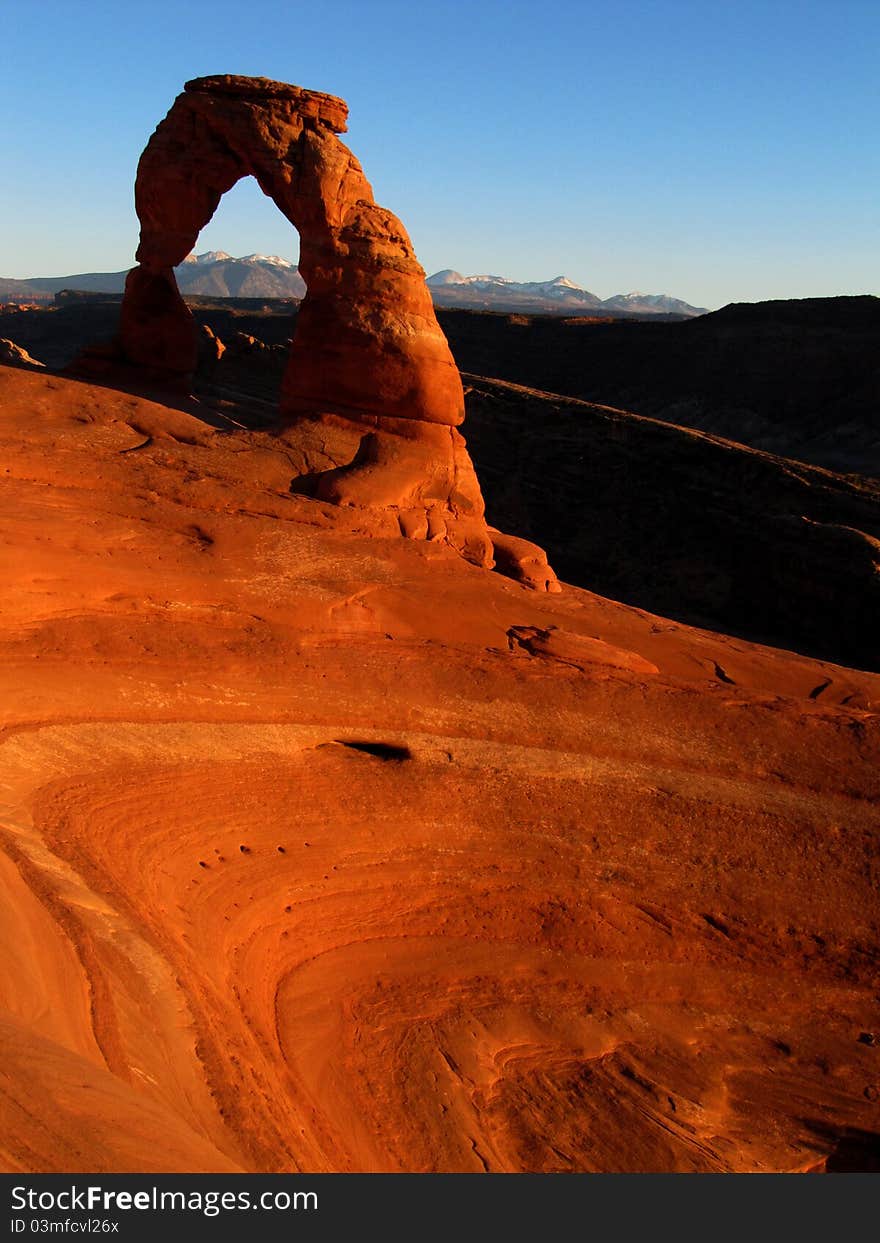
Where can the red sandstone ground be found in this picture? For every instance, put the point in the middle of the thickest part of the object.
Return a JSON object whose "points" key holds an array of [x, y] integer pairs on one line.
{"points": [[327, 850]]}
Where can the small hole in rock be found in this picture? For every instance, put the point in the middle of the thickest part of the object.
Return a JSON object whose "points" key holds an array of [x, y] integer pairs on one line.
{"points": [[381, 750]]}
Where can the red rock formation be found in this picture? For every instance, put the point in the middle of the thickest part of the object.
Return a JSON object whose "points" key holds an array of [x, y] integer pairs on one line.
{"points": [[367, 338], [368, 346]]}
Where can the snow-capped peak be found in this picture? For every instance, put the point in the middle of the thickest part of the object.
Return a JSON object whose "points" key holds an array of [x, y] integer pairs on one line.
{"points": [[274, 259], [488, 282], [448, 276], [207, 256], [220, 256]]}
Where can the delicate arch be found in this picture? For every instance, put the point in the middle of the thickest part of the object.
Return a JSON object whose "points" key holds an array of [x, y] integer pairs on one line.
{"points": [[367, 339]]}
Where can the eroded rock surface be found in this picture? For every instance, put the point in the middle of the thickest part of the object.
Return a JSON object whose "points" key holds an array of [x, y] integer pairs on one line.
{"points": [[322, 852]]}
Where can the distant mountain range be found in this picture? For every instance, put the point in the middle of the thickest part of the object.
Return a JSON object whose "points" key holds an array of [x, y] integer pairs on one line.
{"points": [[559, 296], [254, 276], [217, 274], [213, 274]]}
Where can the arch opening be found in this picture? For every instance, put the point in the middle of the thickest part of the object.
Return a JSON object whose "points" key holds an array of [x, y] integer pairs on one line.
{"points": [[245, 302], [248, 222]]}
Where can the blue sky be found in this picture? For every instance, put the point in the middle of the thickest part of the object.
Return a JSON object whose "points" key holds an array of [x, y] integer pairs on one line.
{"points": [[718, 151]]}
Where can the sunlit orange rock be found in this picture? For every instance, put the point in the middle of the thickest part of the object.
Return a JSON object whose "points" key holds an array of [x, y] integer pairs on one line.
{"points": [[324, 852]]}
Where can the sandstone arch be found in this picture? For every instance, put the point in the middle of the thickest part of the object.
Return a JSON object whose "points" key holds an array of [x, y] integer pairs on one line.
{"points": [[367, 339], [369, 361]]}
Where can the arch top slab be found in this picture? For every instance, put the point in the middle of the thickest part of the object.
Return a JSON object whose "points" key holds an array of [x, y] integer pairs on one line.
{"points": [[329, 110]]}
